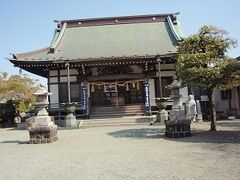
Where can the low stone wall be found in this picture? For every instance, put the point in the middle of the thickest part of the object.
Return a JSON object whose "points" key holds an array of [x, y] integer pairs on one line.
{"points": [[42, 134]]}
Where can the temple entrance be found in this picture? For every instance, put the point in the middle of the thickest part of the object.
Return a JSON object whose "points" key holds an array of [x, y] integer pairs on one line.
{"points": [[121, 94]]}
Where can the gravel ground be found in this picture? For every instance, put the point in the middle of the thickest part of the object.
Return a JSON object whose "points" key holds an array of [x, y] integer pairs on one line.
{"points": [[124, 152]]}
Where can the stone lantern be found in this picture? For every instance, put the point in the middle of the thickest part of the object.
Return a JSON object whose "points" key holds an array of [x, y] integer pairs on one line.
{"points": [[178, 125], [42, 101], [40, 127]]}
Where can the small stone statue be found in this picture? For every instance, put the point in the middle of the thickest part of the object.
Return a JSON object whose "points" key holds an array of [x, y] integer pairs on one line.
{"points": [[191, 108]]}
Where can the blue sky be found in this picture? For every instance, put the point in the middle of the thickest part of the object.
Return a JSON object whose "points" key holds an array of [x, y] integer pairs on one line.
{"points": [[28, 25]]}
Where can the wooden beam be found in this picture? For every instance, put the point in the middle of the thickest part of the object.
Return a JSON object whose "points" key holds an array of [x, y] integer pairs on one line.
{"points": [[117, 77]]}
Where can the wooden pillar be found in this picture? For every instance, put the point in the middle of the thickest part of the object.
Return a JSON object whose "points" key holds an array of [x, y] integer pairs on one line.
{"points": [[68, 82], [159, 78]]}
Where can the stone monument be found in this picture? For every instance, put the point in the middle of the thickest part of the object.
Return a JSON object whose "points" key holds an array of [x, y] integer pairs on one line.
{"points": [[178, 125], [41, 128]]}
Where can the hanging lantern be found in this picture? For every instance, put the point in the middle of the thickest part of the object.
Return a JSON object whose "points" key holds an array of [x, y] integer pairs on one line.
{"points": [[92, 89], [127, 87], [137, 85]]}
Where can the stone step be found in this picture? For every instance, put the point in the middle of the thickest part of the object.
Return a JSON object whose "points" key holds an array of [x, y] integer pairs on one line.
{"points": [[112, 111], [115, 116], [133, 120], [116, 109]]}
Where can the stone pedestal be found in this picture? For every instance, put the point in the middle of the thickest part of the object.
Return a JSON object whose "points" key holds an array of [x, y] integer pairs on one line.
{"points": [[178, 129], [42, 134], [69, 121], [177, 115], [162, 114], [43, 121]]}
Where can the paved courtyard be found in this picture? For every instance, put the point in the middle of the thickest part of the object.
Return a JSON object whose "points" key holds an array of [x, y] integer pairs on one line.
{"points": [[124, 152]]}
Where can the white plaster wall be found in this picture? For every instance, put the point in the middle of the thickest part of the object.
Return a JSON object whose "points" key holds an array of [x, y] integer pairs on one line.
{"points": [[53, 79], [221, 104], [53, 73], [72, 79], [152, 92], [53, 88], [73, 72], [63, 72]]}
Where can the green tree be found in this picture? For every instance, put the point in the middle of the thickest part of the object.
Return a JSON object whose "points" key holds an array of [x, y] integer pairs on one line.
{"points": [[17, 88], [202, 62]]}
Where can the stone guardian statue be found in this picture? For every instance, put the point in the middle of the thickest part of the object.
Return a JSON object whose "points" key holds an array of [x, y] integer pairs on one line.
{"points": [[191, 108]]}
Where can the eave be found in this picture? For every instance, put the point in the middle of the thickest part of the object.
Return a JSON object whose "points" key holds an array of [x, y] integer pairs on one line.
{"points": [[41, 67]]}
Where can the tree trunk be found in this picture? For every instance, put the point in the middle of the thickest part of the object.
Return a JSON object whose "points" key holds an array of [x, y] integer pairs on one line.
{"points": [[212, 111]]}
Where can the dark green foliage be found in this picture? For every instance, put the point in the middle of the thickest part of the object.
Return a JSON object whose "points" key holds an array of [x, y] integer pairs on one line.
{"points": [[8, 112], [202, 61]]}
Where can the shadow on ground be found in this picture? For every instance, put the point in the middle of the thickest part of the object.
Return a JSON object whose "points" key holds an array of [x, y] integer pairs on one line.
{"points": [[211, 137], [229, 123], [197, 136], [145, 133], [15, 142]]}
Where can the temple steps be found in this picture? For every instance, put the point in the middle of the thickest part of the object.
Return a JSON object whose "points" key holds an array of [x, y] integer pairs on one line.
{"points": [[123, 121], [106, 112]]}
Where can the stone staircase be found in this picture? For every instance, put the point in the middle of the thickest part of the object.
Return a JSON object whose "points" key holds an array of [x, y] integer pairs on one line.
{"points": [[124, 121], [116, 116], [106, 112]]}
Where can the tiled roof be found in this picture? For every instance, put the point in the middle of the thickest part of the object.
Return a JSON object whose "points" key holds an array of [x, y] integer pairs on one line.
{"points": [[83, 43]]}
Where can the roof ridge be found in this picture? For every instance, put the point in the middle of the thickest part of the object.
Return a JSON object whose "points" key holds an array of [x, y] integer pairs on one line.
{"points": [[117, 17]]}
